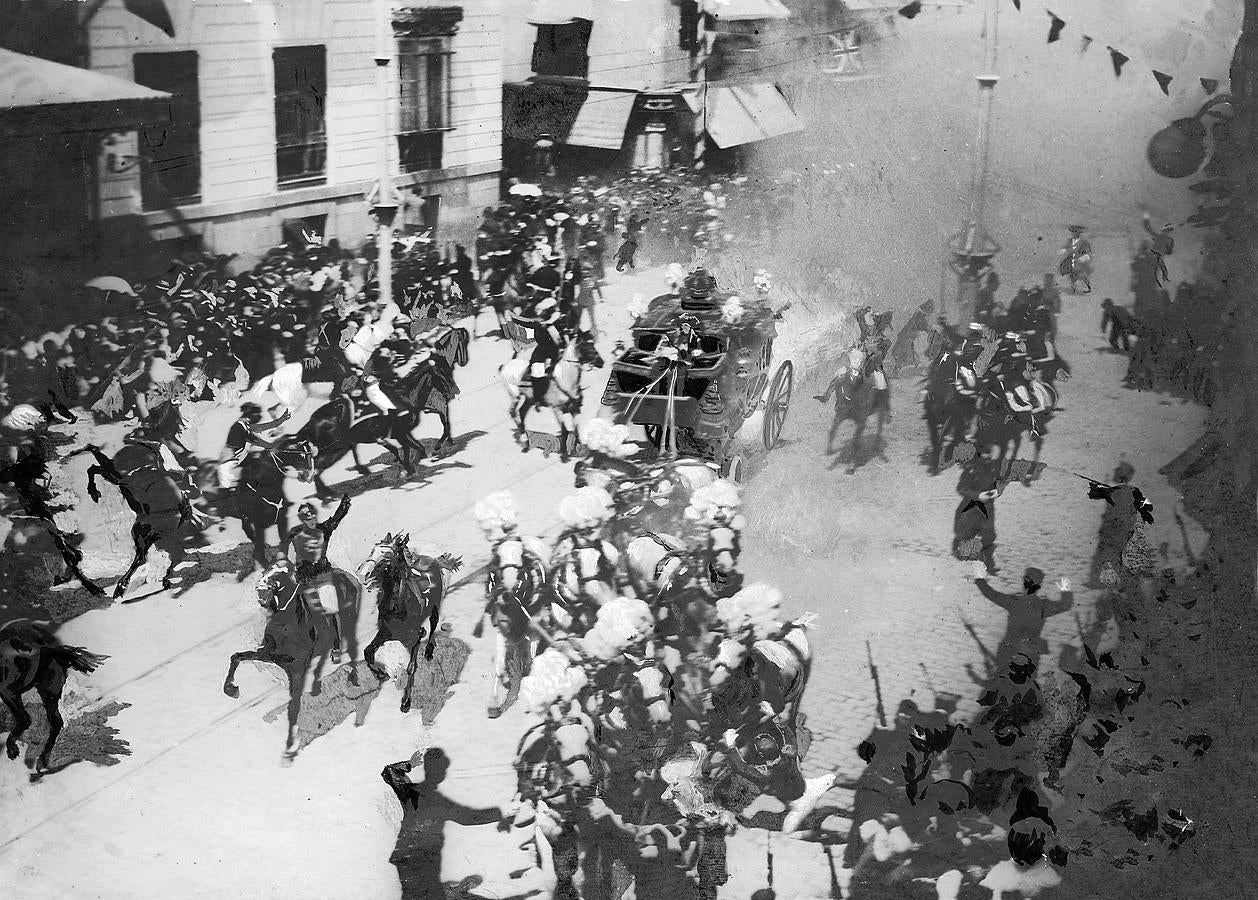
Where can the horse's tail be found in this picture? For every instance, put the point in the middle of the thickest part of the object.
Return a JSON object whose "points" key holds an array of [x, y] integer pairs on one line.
{"points": [[77, 658], [347, 586]]}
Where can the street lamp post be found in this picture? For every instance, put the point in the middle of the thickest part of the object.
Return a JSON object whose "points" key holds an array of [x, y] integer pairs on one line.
{"points": [[383, 198]]}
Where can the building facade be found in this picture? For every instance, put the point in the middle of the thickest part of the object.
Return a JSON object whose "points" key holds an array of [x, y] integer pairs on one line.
{"points": [[619, 84], [275, 124]]}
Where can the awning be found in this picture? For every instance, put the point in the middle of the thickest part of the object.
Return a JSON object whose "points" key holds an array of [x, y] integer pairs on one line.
{"points": [[746, 113], [750, 10], [559, 12], [530, 110], [42, 97], [885, 6], [602, 120]]}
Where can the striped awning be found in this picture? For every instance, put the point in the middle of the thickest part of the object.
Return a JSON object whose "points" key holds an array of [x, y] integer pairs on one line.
{"points": [[602, 120], [746, 113], [750, 10]]}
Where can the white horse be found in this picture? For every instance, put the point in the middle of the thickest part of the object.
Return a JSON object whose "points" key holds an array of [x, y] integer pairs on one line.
{"points": [[286, 381], [563, 396]]}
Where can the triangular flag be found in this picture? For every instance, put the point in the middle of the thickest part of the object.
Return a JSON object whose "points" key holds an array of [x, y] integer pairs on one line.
{"points": [[912, 9], [152, 11], [1119, 61], [1017, 4], [1087, 42], [1054, 30], [1209, 85], [1164, 81]]}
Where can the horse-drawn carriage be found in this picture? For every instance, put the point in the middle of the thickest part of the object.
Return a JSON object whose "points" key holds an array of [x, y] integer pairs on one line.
{"points": [[695, 398]]}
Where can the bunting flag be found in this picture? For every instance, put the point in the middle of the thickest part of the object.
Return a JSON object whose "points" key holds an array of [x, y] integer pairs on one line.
{"points": [[1119, 61], [152, 11], [1054, 30], [1056, 26]]}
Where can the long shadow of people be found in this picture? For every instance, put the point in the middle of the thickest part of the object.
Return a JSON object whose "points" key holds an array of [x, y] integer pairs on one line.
{"points": [[1028, 612], [421, 841]]}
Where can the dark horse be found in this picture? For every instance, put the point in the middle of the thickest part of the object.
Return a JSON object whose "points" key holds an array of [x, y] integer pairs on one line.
{"points": [[335, 430], [293, 637], [258, 500], [146, 479], [947, 410], [32, 657], [856, 398], [410, 590]]}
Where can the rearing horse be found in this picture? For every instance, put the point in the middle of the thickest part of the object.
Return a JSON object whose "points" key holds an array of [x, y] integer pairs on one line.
{"points": [[563, 396], [410, 590]]}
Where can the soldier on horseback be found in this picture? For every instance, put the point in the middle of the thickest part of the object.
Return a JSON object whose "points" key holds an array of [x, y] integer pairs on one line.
{"points": [[1076, 261], [243, 440], [309, 544], [550, 343]]}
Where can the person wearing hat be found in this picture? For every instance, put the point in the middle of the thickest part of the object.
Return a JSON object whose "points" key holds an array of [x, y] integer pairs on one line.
{"points": [[243, 439], [308, 542], [1076, 261], [1028, 612], [628, 250], [550, 343], [1162, 246]]}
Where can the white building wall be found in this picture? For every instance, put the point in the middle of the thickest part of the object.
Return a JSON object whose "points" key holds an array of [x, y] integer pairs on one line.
{"points": [[241, 205], [634, 43]]}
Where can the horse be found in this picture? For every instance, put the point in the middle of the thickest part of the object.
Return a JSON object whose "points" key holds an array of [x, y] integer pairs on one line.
{"points": [[659, 563], [563, 396], [258, 500], [515, 587], [856, 398], [31, 656], [292, 640], [334, 430], [423, 391], [1004, 417], [583, 576], [287, 382], [758, 692], [410, 589], [144, 475]]}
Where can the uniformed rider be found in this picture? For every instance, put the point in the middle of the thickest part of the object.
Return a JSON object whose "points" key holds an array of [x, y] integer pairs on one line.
{"points": [[308, 542]]}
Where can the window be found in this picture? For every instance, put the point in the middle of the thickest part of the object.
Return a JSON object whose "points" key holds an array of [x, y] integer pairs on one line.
{"points": [[301, 141], [171, 170], [563, 49], [424, 69]]}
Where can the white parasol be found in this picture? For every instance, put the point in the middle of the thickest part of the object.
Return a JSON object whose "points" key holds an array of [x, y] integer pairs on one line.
{"points": [[525, 190]]}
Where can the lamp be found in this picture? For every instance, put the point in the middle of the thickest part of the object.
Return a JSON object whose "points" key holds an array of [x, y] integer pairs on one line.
{"points": [[1179, 149]]}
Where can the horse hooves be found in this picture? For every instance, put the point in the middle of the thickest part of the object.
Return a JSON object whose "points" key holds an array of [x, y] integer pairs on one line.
{"points": [[12, 750], [494, 712], [231, 691], [406, 704], [316, 689], [119, 591]]}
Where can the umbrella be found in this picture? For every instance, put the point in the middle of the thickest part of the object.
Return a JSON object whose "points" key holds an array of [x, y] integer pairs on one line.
{"points": [[108, 283], [525, 190]]}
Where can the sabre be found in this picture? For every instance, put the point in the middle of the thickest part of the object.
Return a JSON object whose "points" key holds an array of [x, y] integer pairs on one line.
{"points": [[873, 672]]}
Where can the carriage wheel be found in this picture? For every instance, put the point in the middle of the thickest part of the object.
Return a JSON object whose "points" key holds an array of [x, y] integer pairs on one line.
{"points": [[733, 469], [779, 400]]}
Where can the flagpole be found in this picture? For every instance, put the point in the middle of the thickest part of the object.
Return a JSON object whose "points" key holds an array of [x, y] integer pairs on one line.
{"points": [[384, 207]]}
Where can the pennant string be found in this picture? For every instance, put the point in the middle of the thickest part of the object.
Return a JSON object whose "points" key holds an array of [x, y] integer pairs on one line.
{"points": [[1164, 81], [1209, 85], [1087, 42]]}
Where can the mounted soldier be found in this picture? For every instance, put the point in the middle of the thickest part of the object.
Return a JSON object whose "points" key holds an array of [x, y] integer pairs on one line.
{"points": [[1076, 263], [308, 542], [243, 439]]}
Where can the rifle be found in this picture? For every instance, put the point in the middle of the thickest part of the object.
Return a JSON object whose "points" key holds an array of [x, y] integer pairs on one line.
{"points": [[873, 672], [1098, 490]]}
